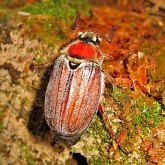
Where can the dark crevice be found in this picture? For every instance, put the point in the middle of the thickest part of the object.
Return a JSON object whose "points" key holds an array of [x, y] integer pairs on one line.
{"points": [[73, 65], [80, 159]]}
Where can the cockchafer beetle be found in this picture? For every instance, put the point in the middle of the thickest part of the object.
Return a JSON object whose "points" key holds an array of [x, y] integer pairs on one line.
{"points": [[75, 86], [77, 82]]}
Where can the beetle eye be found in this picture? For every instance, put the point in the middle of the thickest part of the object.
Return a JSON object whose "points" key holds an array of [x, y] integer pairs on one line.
{"points": [[73, 65]]}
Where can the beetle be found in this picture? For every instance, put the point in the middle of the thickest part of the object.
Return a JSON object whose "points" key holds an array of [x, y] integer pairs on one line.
{"points": [[74, 89]]}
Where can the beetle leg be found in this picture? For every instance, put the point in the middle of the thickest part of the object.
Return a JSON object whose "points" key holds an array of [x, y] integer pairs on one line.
{"points": [[105, 120], [124, 83], [118, 140], [111, 79]]}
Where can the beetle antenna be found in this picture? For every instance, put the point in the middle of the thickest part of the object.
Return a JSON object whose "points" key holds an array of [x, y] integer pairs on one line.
{"points": [[111, 33], [73, 27]]}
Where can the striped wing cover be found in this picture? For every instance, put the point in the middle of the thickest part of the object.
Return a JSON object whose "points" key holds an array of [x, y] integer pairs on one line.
{"points": [[72, 97]]}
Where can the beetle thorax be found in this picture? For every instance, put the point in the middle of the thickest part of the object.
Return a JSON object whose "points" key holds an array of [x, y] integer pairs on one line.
{"points": [[85, 48]]}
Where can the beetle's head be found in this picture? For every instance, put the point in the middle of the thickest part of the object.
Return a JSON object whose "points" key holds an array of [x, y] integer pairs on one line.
{"points": [[89, 37], [86, 47]]}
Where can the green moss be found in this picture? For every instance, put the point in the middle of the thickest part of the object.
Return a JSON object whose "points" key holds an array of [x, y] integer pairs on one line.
{"points": [[39, 59], [4, 19], [120, 96], [25, 102], [2, 113], [57, 15], [1, 125], [99, 161], [29, 157], [147, 116], [5, 3], [160, 69], [118, 93], [51, 27], [102, 141], [45, 29], [60, 8]]}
